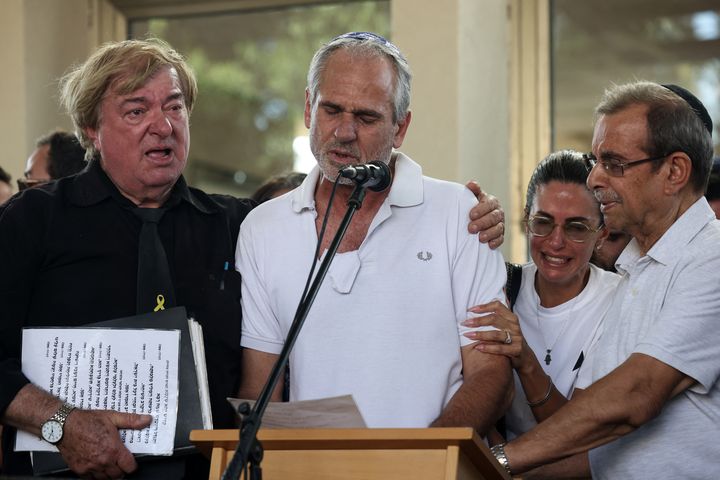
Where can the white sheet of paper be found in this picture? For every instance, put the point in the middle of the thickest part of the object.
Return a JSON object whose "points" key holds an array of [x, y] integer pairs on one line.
{"points": [[108, 369], [196, 336], [334, 412]]}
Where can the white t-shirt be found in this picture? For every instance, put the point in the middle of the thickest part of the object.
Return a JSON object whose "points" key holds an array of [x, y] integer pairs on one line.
{"points": [[668, 307], [568, 330], [385, 323]]}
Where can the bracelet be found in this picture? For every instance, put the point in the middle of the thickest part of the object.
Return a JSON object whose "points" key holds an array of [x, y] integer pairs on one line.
{"points": [[499, 452], [543, 400]]}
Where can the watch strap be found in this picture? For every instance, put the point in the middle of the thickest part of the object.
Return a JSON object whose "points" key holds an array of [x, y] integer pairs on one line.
{"points": [[59, 417], [499, 452], [62, 413]]}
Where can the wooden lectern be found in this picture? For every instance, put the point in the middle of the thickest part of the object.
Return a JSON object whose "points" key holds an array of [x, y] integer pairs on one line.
{"points": [[359, 454]]}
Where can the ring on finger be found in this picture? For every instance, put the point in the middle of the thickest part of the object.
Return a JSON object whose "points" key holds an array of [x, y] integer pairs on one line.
{"points": [[508, 338]]}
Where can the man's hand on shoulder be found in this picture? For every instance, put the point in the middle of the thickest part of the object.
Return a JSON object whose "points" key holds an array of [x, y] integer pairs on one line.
{"points": [[91, 445], [487, 218]]}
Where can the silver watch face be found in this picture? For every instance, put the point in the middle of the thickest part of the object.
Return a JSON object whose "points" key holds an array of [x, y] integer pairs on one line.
{"points": [[52, 431]]}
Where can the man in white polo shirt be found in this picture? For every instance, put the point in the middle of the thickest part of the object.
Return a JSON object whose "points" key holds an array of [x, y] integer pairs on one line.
{"points": [[385, 326], [651, 408]]}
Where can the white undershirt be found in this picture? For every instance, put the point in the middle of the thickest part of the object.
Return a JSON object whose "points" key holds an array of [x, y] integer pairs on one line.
{"points": [[574, 324]]}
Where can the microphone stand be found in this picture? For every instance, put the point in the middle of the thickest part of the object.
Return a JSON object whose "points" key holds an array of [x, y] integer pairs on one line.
{"points": [[249, 449]]}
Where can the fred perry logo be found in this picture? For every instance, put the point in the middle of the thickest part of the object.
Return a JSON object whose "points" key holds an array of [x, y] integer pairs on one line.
{"points": [[424, 256]]}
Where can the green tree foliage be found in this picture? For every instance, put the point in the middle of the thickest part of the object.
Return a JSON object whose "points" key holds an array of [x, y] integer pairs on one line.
{"points": [[251, 69]]}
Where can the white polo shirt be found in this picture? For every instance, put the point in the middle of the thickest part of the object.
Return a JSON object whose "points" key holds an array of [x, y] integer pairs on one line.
{"points": [[667, 306], [385, 324]]}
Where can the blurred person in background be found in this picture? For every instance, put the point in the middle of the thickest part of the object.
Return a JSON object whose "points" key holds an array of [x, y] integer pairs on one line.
{"points": [[57, 154], [277, 185], [712, 194], [6, 190], [609, 249]]}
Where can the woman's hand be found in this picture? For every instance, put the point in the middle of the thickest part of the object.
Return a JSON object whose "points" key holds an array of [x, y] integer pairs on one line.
{"points": [[507, 340]]}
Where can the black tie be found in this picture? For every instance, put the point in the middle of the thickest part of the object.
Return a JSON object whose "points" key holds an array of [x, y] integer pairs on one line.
{"points": [[154, 286]]}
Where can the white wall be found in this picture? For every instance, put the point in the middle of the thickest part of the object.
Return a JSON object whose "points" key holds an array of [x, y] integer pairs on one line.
{"points": [[12, 87], [458, 52], [41, 39]]}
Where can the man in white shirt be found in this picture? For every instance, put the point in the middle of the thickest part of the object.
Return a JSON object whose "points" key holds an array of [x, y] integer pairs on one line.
{"points": [[385, 326], [652, 404]]}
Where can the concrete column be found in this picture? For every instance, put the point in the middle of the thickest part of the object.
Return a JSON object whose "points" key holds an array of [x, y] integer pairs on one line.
{"points": [[458, 51], [43, 39], [481, 95], [13, 81]]}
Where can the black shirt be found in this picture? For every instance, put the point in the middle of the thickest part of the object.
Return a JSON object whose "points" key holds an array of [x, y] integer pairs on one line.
{"points": [[68, 256]]}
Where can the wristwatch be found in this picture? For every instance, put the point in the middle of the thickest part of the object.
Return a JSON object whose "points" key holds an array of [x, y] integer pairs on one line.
{"points": [[499, 452], [52, 430]]}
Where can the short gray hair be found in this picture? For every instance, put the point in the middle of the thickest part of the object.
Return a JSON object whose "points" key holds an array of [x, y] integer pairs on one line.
{"points": [[672, 125], [369, 45]]}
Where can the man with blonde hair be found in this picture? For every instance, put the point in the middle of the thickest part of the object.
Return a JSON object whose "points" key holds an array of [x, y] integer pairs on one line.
{"points": [[76, 256]]}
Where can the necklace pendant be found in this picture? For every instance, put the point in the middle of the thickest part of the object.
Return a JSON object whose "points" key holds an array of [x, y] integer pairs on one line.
{"points": [[548, 358]]}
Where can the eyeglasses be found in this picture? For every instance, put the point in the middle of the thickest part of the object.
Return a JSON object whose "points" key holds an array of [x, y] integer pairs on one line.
{"points": [[613, 167], [541, 226], [25, 183]]}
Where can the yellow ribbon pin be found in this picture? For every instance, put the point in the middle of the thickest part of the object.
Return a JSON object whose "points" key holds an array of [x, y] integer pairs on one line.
{"points": [[160, 303]]}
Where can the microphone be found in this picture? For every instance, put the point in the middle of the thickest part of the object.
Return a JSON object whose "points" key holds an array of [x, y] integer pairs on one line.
{"points": [[374, 175]]}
